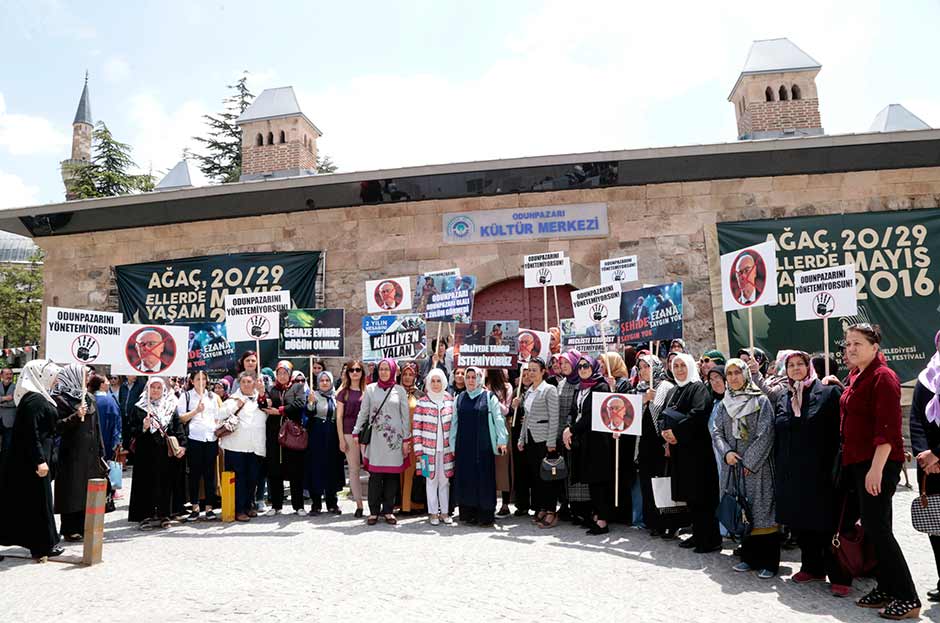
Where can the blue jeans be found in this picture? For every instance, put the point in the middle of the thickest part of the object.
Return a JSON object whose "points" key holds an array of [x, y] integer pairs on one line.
{"points": [[247, 467], [636, 494]]}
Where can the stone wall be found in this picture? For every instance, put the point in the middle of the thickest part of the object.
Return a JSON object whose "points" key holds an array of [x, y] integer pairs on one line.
{"points": [[672, 227]]}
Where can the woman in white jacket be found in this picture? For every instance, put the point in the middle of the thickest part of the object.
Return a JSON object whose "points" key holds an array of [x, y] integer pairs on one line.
{"points": [[244, 443]]}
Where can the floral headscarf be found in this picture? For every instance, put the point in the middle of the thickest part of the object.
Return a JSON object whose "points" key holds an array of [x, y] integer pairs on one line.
{"points": [[740, 402], [36, 376], [71, 382], [161, 409]]}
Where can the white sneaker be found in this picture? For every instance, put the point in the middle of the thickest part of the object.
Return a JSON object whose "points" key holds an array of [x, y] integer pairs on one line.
{"points": [[301, 512], [435, 521], [448, 520], [271, 512]]}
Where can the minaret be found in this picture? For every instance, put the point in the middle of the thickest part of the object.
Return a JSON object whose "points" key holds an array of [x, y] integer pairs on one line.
{"points": [[82, 127]]}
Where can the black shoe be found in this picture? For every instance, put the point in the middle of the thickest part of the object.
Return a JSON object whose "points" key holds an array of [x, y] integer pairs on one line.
{"points": [[655, 533], [596, 529], [314, 511], [933, 595], [358, 514], [738, 551], [707, 550], [56, 551], [503, 512], [193, 516], [669, 535], [565, 514], [210, 515], [689, 543], [335, 510], [485, 524], [521, 512]]}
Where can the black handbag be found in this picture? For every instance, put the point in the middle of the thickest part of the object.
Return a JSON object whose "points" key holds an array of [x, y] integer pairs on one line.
{"points": [[672, 418], [734, 512], [553, 469], [365, 435]]}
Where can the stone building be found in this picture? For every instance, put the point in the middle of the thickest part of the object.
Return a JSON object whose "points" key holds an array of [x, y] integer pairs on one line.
{"points": [[662, 204]]}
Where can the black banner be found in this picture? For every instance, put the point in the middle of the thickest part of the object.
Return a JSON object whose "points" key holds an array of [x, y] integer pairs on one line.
{"points": [[192, 290], [312, 332]]}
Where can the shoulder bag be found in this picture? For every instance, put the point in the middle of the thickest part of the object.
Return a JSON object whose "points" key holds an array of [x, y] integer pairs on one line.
{"points": [[365, 435], [925, 510], [230, 425], [853, 553], [172, 443], [734, 511], [292, 435], [553, 469]]}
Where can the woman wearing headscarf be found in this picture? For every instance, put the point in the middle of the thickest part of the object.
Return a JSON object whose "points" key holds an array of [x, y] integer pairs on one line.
{"points": [[497, 383], [434, 452], [554, 340], [925, 440], [347, 411], [593, 452], [324, 460], [575, 494], [806, 444], [615, 372], [242, 437], [25, 477], [651, 457], [744, 436], [521, 483], [479, 434], [286, 401], [385, 408], [81, 449], [409, 380], [154, 418], [717, 385], [694, 473]]}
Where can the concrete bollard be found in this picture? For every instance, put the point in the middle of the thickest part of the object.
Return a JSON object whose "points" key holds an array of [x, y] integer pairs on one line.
{"points": [[228, 496], [94, 520]]}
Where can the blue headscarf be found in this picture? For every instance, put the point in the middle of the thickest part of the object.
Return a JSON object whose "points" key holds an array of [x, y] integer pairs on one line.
{"points": [[329, 396]]}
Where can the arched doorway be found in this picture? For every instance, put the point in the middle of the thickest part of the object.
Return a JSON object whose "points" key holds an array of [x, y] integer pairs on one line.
{"points": [[511, 300]]}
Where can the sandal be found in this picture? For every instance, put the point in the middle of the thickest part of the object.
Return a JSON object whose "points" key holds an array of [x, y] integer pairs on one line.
{"points": [[875, 599], [898, 609], [145, 525], [390, 519], [372, 520], [539, 517], [546, 523], [165, 523]]}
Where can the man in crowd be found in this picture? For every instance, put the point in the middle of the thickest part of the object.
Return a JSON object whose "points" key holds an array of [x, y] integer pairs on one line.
{"points": [[7, 408]]}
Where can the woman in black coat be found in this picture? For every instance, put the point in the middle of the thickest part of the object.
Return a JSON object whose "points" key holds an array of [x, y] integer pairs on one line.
{"points": [[81, 450], [25, 479], [694, 473], [925, 440], [806, 443], [288, 401], [593, 452]]}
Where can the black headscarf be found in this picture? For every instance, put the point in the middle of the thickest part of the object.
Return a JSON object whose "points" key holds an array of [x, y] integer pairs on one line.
{"points": [[719, 369]]}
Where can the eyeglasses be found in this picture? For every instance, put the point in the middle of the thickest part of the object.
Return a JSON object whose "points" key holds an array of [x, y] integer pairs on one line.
{"points": [[584, 366], [355, 369], [704, 360]]}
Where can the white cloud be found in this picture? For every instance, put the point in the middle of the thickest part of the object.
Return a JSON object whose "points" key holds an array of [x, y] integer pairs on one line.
{"points": [[116, 69], [159, 135], [28, 134], [15, 192]]}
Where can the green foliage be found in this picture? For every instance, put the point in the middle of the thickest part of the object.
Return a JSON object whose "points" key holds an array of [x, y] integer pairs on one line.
{"points": [[21, 290], [107, 175], [223, 144], [325, 164]]}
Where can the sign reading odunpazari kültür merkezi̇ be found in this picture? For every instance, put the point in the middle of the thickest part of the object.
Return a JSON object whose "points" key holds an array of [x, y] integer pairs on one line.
{"points": [[579, 220]]}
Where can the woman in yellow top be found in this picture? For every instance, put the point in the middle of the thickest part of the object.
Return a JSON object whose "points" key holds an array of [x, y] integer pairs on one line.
{"points": [[409, 377]]}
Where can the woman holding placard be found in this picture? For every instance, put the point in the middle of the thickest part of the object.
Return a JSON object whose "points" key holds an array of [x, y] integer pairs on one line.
{"points": [[593, 451], [743, 435], [694, 474], [242, 437], [872, 458], [286, 402], [806, 444], [323, 462], [576, 494], [384, 412]]}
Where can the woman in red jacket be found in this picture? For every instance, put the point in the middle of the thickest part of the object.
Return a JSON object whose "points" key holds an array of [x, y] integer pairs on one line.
{"points": [[873, 456]]}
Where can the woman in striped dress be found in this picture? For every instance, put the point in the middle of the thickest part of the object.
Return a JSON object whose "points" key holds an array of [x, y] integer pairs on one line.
{"points": [[432, 444]]}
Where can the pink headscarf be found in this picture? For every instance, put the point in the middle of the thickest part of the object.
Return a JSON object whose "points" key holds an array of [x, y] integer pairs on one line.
{"points": [[797, 387], [573, 357], [393, 367]]}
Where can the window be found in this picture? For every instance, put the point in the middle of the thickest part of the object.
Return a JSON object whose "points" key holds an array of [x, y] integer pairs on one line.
{"points": [[270, 138], [783, 93], [259, 140], [769, 94], [283, 138], [796, 92]]}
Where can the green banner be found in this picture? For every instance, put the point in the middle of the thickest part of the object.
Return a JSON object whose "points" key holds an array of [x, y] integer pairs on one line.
{"points": [[897, 281]]}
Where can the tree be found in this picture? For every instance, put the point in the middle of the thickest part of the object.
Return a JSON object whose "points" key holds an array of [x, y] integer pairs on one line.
{"points": [[107, 175], [21, 291], [223, 162], [325, 165]]}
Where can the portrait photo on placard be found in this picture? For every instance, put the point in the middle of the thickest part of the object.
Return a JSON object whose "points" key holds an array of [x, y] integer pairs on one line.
{"points": [[748, 277], [150, 350]]}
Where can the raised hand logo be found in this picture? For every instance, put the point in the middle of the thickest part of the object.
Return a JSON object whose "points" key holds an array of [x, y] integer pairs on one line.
{"points": [[598, 312], [823, 304], [258, 327], [545, 276], [85, 348]]}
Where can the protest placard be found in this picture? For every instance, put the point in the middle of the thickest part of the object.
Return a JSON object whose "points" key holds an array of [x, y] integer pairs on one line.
{"points": [[826, 293], [486, 344], [388, 295], [398, 337], [617, 413], [651, 313], [431, 283], [589, 342], [749, 277], [596, 305], [619, 269], [453, 303], [312, 333], [531, 343], [83, 336], [254, 317], [210, 351], [546, 269], [152, 349]]}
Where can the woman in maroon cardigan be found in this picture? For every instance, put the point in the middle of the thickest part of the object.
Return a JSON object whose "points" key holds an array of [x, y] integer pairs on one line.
{"points": [[873, 456]]}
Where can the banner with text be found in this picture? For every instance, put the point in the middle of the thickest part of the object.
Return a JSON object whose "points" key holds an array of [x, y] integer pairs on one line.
{"points": [[596, 305], [546, 269], [590, 341], [620, 269], [398, 337], [651, 313], [896, 280], [210, 350], [250, 317], [428, 284], [312, 333], [453, 302], [579, 220], [83, 336], [826, 293], [486, 343]]}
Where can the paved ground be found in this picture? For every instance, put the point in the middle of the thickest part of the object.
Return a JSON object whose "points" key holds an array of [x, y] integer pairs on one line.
{"points": [[337, 569]]}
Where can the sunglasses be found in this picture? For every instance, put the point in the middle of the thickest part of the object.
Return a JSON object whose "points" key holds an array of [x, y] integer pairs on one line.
{"points": [[707, 359], [584, 366], [355, 369]]}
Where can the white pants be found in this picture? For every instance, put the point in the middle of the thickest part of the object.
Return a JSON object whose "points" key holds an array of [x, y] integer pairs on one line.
{"points": [[438, 488]]}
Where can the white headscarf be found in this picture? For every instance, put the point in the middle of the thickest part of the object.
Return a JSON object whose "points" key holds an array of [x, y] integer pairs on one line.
{"points": [[163, 408], [692, 376], [37, 376], [436, 397], [71, 382]]}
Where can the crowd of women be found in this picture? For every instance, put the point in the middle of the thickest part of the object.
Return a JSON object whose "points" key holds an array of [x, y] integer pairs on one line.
{"points": [[808, 452]]}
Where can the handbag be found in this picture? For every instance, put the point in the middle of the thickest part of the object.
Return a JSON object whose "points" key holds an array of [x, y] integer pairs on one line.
{"points": [[365, 435], [925, 510], [734, 511], [672, 418], [230, 425], [292, 435], [116, 474], [854, 554], [662, 495], [553, 469]]}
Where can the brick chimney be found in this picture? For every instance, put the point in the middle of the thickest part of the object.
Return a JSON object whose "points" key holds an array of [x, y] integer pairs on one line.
{"points": [[278, 140], [775, 95]]}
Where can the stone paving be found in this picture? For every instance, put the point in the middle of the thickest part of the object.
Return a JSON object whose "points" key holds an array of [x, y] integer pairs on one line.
{"points": [[337, 569]]}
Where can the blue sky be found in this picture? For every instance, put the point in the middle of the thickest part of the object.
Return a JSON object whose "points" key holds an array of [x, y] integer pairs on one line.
{"points": [[408, 83]]}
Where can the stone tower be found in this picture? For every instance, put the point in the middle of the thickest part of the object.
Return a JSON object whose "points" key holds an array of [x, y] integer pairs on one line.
{"points": [[278, 140], [82, 127], [775, 95]]}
